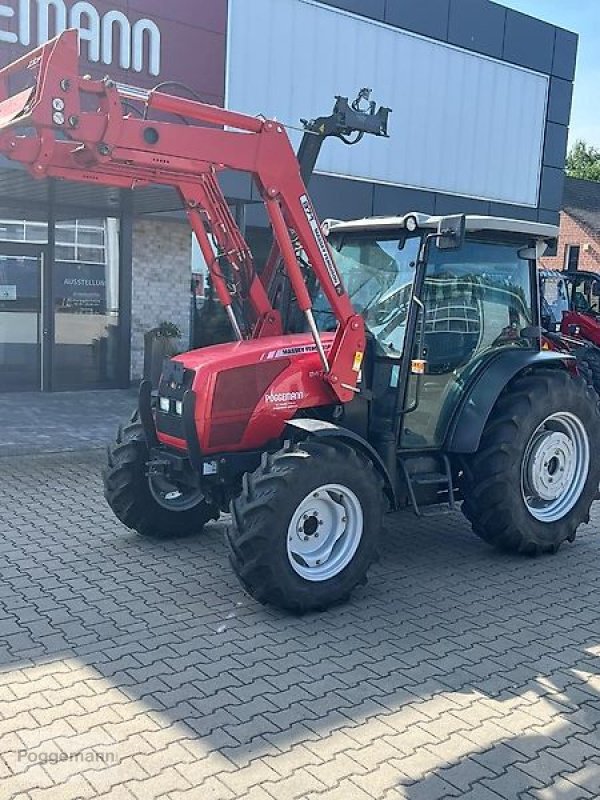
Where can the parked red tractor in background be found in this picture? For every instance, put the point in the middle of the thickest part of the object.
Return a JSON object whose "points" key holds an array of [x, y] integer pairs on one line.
{"points": [[571, 318], [393, 362], [572, 302]]}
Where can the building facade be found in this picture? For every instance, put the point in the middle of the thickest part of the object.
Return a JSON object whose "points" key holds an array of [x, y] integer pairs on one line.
{"points": [[578, 244], [481, 100]]}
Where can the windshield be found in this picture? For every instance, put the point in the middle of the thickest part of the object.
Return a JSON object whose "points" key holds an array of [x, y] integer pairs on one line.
{"points": [[585, 295], [378, 272]]}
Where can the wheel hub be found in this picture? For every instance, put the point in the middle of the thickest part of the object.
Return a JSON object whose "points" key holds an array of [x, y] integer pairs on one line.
{"points": [[551, 464], [173, 496], [310, 525], [324, 532]]}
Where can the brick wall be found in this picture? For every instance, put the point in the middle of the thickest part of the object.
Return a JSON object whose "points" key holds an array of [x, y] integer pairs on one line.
{"points": [[161, 282], [572, 232]]}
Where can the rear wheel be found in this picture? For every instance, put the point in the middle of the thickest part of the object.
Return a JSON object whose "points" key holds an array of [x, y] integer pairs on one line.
{"points": [[306, 526], [535, 476], [588, 364], [152, 506]]}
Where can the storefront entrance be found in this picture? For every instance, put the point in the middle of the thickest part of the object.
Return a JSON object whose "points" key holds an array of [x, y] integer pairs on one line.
{"points": [[59, 317]]}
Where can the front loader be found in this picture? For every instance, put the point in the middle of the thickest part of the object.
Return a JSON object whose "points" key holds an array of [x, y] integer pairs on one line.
{"points": [[378, 364]]}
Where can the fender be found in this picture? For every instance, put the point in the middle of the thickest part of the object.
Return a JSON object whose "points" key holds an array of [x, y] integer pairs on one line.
{"points": [[470, 419], [320, 429]]}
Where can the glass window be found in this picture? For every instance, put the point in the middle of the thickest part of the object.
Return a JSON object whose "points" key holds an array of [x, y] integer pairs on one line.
{"points": [[65, 253], [378, 274], [36, 232], [477, 299], [91, 236], [586, 293], [65, 234], [572, 256], [93, 255], [12, 231], [18, 230], [478, 295]]}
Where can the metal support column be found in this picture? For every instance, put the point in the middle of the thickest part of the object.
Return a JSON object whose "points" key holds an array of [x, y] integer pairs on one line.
{"points": [[125, 289], [48, 300]]}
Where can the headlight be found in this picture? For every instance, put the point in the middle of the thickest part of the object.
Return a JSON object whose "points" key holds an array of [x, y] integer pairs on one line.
{"points": [[164, 404], [179, 407], [411, 224]]}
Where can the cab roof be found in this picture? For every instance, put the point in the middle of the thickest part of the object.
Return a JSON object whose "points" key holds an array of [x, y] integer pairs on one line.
{"points": [[474, 222]]}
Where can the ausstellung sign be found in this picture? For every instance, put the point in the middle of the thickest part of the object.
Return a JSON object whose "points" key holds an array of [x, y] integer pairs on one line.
{"points": [[138, 42], [141, 42]]}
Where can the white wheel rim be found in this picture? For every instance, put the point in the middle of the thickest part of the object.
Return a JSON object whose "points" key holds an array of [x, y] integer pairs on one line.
{"points": [[555, 467], [325, 532]]}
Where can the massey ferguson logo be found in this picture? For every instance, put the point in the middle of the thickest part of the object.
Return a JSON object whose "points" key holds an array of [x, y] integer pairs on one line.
{"points": [[284, 397]]}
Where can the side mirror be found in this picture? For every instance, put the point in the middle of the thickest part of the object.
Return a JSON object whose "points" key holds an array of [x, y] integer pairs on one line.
{"points": [[451, 232], [528, 253]]}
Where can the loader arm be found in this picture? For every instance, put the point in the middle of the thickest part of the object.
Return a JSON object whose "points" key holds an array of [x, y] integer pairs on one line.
{"points": [[74, 128]]}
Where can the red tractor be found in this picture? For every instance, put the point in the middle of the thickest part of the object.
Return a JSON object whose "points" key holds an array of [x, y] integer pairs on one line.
{"points": [[571, 318], [380, 364], [572, 302]]}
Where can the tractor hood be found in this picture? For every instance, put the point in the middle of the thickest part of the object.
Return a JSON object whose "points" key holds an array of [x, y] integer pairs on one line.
{"points": [[265, 382], [252, 351]]}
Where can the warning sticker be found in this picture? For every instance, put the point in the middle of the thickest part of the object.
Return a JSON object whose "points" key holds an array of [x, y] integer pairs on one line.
{"points": [[358, 359]]}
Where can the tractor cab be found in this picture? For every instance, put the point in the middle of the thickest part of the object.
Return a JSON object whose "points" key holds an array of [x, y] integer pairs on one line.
{"points": [[437, 310]]}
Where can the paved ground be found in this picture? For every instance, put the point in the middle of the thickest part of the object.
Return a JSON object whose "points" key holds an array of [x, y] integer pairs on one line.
{"points": [[32, 422], [134, 669]]}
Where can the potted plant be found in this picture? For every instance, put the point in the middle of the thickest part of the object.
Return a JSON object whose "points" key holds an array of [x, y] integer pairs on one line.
{"points": [[159, 343]]}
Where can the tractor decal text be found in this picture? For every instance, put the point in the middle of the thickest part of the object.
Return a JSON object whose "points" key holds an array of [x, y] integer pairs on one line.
{"points": [[312, 221], [284, 397], [293, 351]]}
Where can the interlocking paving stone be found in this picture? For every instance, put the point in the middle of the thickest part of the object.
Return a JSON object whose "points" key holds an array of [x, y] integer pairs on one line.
{"points": [[32, 422], [139, 669]]}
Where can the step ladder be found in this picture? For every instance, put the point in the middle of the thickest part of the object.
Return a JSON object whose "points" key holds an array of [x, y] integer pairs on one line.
{"points": [[442, 479]]}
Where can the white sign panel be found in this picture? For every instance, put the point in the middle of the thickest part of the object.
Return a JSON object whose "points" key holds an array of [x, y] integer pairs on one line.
{"points": [[462, 123]]}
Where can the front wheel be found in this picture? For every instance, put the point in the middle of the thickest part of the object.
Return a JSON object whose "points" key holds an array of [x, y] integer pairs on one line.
{"points": [[536, 474], [306, 526], [152, 506]]}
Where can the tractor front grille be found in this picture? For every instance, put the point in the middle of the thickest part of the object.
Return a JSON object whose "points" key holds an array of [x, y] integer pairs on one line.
{"points": [[174, 383]]}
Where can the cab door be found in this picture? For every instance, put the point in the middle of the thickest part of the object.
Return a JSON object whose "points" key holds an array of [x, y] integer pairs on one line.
{"points": [[476, 300]]}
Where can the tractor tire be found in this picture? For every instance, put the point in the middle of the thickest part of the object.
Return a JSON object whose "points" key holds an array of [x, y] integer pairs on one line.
{"points": [[536, 473], [301, 494], [134, 500], [588, 363]]}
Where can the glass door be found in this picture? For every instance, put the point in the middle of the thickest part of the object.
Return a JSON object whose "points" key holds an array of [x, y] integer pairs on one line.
{"points": [[21, 318], [85, 305]]}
